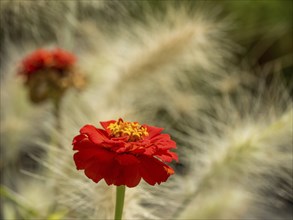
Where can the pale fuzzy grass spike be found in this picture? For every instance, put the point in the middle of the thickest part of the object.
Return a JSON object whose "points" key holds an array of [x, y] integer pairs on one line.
{"points": [[222, 204], [167, 43], [230, 148], [251, 147]]}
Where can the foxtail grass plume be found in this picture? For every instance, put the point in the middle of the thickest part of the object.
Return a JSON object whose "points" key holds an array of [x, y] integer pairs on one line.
{"points": [[236, 151]]}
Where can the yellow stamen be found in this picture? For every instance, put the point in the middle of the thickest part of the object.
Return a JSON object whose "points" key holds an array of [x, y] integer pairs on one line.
{"points": [[133, 130]]}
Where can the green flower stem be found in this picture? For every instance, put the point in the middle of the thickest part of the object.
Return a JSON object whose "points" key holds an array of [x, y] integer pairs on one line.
{"points": [[120, 192], [56, 113]]}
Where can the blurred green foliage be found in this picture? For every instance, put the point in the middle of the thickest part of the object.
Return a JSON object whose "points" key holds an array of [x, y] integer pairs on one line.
{"points": [[264, 29]]}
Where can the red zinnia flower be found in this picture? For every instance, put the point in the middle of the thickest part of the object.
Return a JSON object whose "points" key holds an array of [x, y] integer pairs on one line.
{"points": [[49, 73], [46, 59], [124, 152]]}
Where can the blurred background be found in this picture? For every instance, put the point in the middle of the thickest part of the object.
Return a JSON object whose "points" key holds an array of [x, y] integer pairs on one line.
{"points": [[217, 75]]}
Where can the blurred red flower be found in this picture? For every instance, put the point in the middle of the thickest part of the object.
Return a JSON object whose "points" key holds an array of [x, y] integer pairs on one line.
{"points": [[124, 152], [49, 73], [46, 59], [62, 59]]}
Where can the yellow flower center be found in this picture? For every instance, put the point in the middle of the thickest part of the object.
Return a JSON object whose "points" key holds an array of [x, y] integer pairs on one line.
{"points": [[133, 130]]}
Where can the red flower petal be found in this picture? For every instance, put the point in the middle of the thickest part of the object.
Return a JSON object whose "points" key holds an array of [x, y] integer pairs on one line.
{"points": [[150, 151], [98, 164], [81, 142], [123, 172], [168, 157], [35, 61], [154, 171], [173, 155], [105, 124], [82, 158], [93, 172], [129, 176], [153, 131], [163, 141], [129, 170], [95, 135], [62, 59], [127, 160]]}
